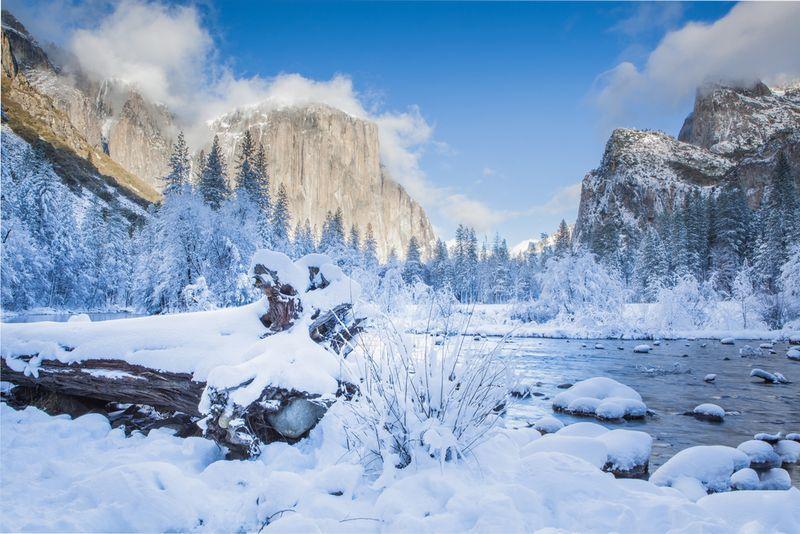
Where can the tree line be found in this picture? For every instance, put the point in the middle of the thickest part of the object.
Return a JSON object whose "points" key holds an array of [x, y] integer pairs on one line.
{"points": [[192, 250]]}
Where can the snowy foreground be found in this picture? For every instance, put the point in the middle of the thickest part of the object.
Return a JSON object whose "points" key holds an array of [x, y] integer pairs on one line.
{"points": [[80, 475], [463, 469]]}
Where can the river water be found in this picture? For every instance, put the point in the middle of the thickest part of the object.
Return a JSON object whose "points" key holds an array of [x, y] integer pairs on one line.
{"points": [[670, 381]]}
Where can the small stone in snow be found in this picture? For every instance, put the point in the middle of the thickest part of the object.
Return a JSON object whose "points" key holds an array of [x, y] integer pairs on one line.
{"points": [[642, 349], [710, 377], [565, 385]]}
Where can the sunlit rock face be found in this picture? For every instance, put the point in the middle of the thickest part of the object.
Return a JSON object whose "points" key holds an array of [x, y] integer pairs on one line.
{"points": [[732, 136], [327, 159]]}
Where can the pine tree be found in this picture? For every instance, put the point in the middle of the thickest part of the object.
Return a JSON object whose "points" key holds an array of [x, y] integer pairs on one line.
{"points": [[303, 239], [370, 249], [280, 221], [179, 174], [413, 270], [562, 238], [247, 179], [652, 266], [439, 267], [778, 225], [213, 181]]}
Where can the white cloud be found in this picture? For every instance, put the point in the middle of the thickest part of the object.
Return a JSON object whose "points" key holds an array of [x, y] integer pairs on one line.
{"points": [[474, 213], [753, 41], [160, 49], [646, 17], [563, 202]]}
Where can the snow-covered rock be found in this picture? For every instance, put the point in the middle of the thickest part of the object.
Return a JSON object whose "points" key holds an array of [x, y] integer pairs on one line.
{"points": [[601, 397], [79, 318], [727, 341], [709, 466], [749, 352], [710, 377], [769, 438], [788, 450], [548, 425], [626, 453], [771, 479], [773, 378], [761, 454], [642, 349], [766, 345], [709, 412], [793, 354]]}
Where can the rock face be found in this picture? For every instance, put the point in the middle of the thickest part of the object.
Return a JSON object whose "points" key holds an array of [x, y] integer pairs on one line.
{"points": [[732, 136], [38, 122], [327, 159]]}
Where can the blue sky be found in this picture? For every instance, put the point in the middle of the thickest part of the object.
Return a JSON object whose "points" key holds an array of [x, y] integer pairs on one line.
{"points": [[489, 113], [506, 86]]}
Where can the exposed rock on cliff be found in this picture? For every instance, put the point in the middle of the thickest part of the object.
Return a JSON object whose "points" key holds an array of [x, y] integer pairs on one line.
{"points": [[732, 137], [327, 159], [37, 121]]}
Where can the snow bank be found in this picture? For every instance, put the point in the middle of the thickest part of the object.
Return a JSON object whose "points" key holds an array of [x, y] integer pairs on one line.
{"points": [[619, 451], [636, 321], [222, 347], [79, 475], [710, 466], [601, 397], [756, 511]]}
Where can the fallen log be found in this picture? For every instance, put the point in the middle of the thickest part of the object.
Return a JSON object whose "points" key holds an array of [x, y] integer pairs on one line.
{"points": [[280, 412]]}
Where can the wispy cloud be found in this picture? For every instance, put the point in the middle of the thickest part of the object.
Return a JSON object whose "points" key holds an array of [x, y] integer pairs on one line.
{"points": [[753, 41], [646, 17]]}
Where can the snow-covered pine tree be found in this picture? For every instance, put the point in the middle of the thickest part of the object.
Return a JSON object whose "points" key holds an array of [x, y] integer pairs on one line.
{"points": [[180, 167], [370, 249], [501, 287], [562, 239], [332, 241], [413, 269], [789, 284], [731, 235], [303, 239], [439, 266], [745, 295], [279, 223], [778, 226], [213, 180], [652, 266]]}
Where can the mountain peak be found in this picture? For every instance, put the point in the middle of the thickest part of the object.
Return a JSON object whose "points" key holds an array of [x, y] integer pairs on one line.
{"points": [[735, 121]]}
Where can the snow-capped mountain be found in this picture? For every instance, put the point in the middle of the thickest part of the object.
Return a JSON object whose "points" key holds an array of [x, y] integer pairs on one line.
{"points": [[732, 137], [325, 158]]}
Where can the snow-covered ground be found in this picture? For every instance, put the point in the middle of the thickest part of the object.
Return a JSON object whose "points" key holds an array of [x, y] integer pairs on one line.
{"points": [[79, 475], [637, 321]]}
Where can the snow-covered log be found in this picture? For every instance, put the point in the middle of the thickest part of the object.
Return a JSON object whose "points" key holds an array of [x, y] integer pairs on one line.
{"points": [[249, 375]]}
